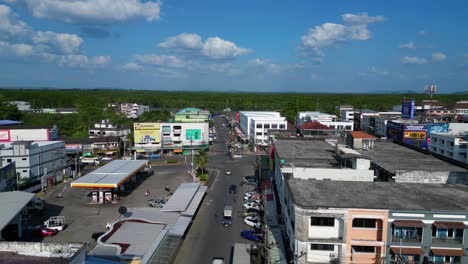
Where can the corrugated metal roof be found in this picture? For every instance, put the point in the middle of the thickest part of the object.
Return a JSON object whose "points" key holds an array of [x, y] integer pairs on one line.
{"points": [[11, 203], [192, 208], [180, 226], [113, 173], [181, 198]]}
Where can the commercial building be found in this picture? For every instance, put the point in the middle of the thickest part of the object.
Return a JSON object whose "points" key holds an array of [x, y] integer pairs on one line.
{"points": [[346, 112], [306, 117], [170, 137], [450, 145], [131, 110], [35, 161], [375, 222], [28, 133], [412, 133], [94, 146], [192, 115], [255, 125], [107, 129], [395, 162]]}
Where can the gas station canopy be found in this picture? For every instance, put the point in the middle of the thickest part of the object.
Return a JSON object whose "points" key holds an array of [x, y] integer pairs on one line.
{"points": [[111, 175]]}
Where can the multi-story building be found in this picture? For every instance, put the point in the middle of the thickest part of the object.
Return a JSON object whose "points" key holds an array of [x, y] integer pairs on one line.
{"points": [[192, 115], [131, 110], [306, 117], [170, 137], [35, 161], [375, 222], [14, 133], [255, 125], [346, 112], [451, 145], [8, 180], [94, 146], [107, 129], [22, 105]]}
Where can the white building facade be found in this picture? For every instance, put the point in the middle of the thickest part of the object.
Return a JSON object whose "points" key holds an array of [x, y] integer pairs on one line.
{"points": [[451, 145], [255, 125], [133, 110], [35, 160], [107, 129]]}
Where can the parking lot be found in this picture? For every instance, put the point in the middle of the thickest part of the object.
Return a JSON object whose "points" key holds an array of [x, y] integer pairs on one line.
{"points": [[83, 219]]}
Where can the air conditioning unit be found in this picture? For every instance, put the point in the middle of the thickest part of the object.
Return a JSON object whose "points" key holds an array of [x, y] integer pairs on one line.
{"points": [[334, 259]]}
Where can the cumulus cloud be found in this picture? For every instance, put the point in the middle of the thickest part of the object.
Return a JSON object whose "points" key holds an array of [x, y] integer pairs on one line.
{"points": [[20, 50], [92, 11], [11, 26], [217, 48], [82, 61], [63, 43], [212, 48], [161, 60], [184, 41], [265, 65], [438, 56], [409, 45], [355, 27], [413, 60], [132, 67]]}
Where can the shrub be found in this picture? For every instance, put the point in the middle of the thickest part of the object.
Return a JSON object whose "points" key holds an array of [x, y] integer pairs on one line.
{"points": [[171, 161], [203, 177]]}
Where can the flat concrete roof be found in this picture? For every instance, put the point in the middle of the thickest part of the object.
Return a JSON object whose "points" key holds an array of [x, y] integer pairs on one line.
{"points": [[394, 157], [306, 153], [111, 175], [378, 195], [11, 203], [181, 198]]}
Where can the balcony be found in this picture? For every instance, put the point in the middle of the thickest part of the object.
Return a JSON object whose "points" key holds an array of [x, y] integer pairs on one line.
{"points": [[407, 231], [449, 241], [410, 239]]}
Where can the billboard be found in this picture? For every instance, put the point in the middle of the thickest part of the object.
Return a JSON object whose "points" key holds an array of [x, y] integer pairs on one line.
{"points": [[407, 109], [73, 148], [11, 135], [146, 132], [193, 134], [415, 135], [437, 128], [4, 135]]}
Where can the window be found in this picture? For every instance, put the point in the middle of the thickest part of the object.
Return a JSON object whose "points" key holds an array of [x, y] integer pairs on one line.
{"points": [[266, 126], [348, 127], [91, 132], [282, 126], [259, 125], [435, 139], [322, 221], [451, 143], [24, 159], [258, 133], [274, 125], [25, 170], [364, 223], [324, 247], [8, 160], [363, 249]]}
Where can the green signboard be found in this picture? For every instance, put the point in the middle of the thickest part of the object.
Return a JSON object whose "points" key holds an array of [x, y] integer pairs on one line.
{"points": [[193, 134]]}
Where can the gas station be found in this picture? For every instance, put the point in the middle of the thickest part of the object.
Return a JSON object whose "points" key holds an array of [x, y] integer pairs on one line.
{"points": [[109, 179]]}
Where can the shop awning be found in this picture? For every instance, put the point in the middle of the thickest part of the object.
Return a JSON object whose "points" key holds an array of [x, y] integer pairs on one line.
{"points": [[408, 223], [448, 251], [178, 150], [408, 250], [443, 224]]}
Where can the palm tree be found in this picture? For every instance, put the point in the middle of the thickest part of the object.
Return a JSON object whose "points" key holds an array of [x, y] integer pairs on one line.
{"points": [[201, 160]]}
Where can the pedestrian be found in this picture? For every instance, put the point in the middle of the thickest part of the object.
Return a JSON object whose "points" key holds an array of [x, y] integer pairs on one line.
{"points": [[147, 193]]}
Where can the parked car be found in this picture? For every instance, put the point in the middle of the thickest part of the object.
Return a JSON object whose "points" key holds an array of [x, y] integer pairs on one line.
{"points": [[44, 231], [259, 202], [106, 158], [154, 156], [232, 188], [251, 235], [253, 221], [251, 213], [228, 172], [248, 183], [252, 205], [158, 203]]}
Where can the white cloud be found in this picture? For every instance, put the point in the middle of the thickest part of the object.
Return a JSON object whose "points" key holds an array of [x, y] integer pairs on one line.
{"points": [[413, 60], [82, 61], [328, 34], [192, 45], [19, 50], [265, 65], [422, 32], [438, 56], [409, 45], [217, 48], [184, 41], [11, 26], [132, 67], [63, 43], [92, 11], [361, 18], [161, 60]]}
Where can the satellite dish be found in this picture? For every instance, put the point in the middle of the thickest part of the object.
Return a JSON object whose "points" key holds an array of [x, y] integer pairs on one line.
{"points": [[122, 210]]}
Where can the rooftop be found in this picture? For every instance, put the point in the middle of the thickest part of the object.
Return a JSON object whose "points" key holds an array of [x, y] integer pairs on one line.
{"points": [[90, 140], [192, 110], [11, 204], [378, 195], [315, 126], [9, 145], [111, 175], [394, 157], [9, 122], [360, 134], [306, 153]]}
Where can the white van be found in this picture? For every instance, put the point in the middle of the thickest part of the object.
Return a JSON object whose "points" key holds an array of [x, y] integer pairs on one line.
{"points": [[218, 261]]}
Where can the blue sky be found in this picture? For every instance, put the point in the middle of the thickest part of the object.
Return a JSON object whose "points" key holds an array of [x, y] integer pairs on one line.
{"points": [[261, 46]]}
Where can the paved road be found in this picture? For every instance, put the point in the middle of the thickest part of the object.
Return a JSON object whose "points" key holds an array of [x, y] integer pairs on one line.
{"points": [[207, 237]]}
